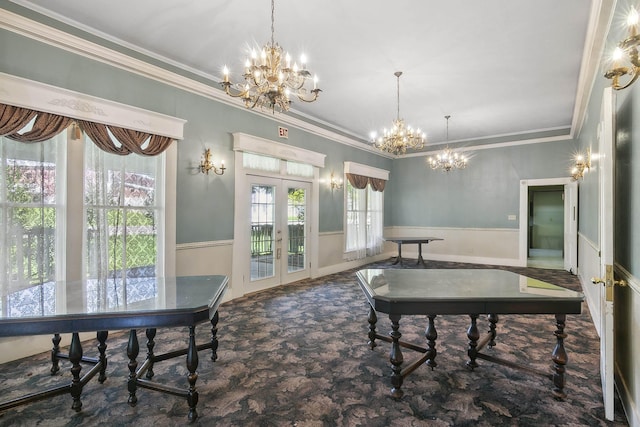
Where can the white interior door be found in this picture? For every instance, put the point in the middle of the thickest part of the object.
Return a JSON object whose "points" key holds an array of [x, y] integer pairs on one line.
{"points": [[606, 162], [279, 232]]}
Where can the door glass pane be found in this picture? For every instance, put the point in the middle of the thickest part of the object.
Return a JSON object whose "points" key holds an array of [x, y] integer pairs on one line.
{"points": [[262, 235], [296, 205]]}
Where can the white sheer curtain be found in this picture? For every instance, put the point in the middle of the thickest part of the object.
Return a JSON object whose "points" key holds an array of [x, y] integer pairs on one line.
{"points": [[31, 209], [356, 228], [364, 217], [123, 210], [375, 211]]}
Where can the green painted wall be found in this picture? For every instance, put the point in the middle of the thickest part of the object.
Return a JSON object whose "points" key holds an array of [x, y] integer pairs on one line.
{"points": [[482, 195]]}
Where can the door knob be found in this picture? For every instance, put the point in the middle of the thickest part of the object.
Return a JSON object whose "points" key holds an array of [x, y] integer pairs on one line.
{"points": [[598, 280]]}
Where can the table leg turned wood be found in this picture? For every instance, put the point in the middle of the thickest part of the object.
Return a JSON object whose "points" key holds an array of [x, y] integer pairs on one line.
{"points": [[214, 336], [431, 334], [493, 320], [560, 358], [192, 365], [102, 351], [396, 357], [75, 357], [55, 366], [151, 335], [372, 319], [133, 348], [474, 335]]}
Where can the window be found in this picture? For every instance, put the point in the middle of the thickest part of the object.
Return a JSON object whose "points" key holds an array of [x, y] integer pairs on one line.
{"points": [[364, 219], [364, 210], [122, 214], [122, 211], [31, 212]]}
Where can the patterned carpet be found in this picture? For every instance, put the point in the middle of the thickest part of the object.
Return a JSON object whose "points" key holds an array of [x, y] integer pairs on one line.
{"points": [[297, 355]]}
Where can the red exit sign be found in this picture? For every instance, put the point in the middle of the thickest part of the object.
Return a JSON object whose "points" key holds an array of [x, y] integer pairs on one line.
{"points": [[283, 132]]}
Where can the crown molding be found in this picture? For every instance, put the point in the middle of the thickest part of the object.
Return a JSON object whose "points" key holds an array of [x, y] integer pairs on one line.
{"points": [[60, 39]]}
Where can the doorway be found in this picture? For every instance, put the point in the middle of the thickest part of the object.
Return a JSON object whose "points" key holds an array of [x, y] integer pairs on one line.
{"points": [[549, 224], [275, 231], [279, 231], [545, 248]]}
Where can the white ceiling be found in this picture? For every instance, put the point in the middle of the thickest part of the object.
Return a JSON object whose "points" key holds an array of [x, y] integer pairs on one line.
{"points": [[498, 67]]}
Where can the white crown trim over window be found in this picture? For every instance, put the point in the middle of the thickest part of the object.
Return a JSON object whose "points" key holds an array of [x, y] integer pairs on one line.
{"points": [[253, 144], [38, 96], [365, 170]]}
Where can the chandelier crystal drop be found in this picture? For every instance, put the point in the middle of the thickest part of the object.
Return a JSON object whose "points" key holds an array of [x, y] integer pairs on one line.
{"points": [[271, 79], [447, 159], [400, 137]]}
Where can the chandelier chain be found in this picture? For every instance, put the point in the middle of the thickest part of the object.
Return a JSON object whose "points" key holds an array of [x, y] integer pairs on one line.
{"points": [[398, 74], [273, 12]]}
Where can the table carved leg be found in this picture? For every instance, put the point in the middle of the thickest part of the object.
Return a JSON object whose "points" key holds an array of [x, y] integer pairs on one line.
{"points": [[431, 334], [55, 366], [372, 319], [151, 334], [493, 320], [396, 357], [102, 348], [192, 365], [75, 356], [560, 358], [214, 336], [133, 348], [474, 335]]}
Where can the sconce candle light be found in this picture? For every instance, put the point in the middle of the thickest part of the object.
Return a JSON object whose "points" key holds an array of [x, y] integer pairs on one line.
{"points": [[627, 50], [206, 164], [582, 165], [336, 184]]}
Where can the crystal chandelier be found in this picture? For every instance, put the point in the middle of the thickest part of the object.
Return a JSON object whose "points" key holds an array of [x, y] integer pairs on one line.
{"points": [[447, 159], [270, 78], [400, 137]]}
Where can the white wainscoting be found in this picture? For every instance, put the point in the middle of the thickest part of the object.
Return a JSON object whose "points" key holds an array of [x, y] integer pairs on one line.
{"points": [[202, 258], [331, 254], [589, 266], [497, 246]]}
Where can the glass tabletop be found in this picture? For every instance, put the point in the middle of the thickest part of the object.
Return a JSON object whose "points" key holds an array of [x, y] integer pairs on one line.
{"points": [[462, 284], [137, 295]]}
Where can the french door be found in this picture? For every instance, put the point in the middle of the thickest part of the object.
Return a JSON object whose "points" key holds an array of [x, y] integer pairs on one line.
{"points": [[278, 232], [606, 160]]}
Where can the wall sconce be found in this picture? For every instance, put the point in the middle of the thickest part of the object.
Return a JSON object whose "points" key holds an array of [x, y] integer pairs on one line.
{"points": [[336, 184], [206, 164], [626, 48], [582, 165]]}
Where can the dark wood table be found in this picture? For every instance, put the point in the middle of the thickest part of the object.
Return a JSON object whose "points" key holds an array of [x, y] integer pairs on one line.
{"points": [[414, 241], [91, 306], [434, 292]]}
